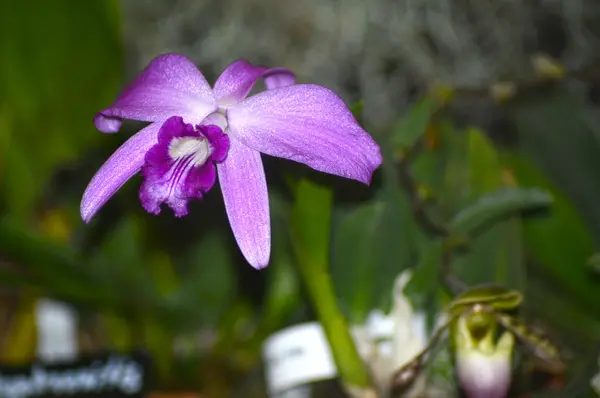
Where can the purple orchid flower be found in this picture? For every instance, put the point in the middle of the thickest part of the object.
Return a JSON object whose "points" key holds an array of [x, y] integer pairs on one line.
{"points": [[198, 132]]}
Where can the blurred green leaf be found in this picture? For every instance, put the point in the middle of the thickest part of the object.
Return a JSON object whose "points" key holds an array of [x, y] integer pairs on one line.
{"points": [[498, 205], [560, 136], [208, 283], [121, 262], [426, 277], [558, 244], [372, 242], [357, 249], [61, 63], [54, 266], [471, 171], [414, 123], [283, 289], [455, 190]]}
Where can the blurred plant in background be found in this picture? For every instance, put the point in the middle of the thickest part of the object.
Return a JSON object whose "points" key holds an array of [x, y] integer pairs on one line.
{"points": [[513, 205]]}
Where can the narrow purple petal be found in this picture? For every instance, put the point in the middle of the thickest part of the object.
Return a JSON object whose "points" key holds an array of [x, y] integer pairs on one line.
{"points": [[170, 85], [244, 187], [120, 167], [308, 124], [237, 80]]}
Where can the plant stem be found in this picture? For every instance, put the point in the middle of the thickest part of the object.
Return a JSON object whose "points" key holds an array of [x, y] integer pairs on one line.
{"points": [[320, 291], [311, 237]]}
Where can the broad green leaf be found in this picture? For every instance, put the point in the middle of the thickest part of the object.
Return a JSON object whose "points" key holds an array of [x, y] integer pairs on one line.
{"points": [[356, 263], [495, 253], [560, 136], [283, 294], [426, 275], [559, 243], [581, 326], [208, 283], [485, 169], [462, 167], [62, 62], [121, 262], [498, 205], [372, 243], [455, 189], [54, 266]]}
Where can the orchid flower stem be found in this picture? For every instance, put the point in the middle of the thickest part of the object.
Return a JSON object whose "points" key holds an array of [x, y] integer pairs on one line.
{"points": [[311, 236], [319, 287]]}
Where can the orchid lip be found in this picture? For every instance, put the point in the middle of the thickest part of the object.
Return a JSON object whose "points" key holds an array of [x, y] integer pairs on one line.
{"points": [[181, 166]]}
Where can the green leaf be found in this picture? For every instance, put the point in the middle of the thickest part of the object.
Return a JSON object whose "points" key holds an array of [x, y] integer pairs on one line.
{"points": [[372, 243], [498, 205], [462, 167], [54, 266], [61, 63], [208, 282], [121, 262], [283, 294], [426, 276], [560, 243], [561, 137], [356, 265], [414, 123]]}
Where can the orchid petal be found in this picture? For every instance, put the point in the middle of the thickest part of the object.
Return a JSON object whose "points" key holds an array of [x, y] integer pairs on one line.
{"points": [[308, 124], [124, 163], [244, 188], [237, 80], [278, 77], [170, 85]]}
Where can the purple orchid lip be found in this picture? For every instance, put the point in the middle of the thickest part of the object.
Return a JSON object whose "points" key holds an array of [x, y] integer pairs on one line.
{"points": [[198, 132], [181, 166]]}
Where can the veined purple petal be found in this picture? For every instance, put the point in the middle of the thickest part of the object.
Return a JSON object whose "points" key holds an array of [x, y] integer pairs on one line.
{"points": [[170, 85], [308, 124], [124, 163], [237, 80], [242, 179], [180, 167]]}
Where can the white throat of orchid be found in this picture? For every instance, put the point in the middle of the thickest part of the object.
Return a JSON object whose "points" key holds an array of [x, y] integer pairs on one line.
{"points": [[198, 148]]}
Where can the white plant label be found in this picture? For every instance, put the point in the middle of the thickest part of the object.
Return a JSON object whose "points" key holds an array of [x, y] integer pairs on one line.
{"points": [[57, 331], [297, 355]]}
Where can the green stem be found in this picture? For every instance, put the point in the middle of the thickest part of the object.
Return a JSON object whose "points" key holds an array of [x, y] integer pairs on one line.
{"points": [[345, 354], [311, 236]]}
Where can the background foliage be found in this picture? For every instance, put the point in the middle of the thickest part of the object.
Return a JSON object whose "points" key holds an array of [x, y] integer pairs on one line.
{"points": [[523, 206]]}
